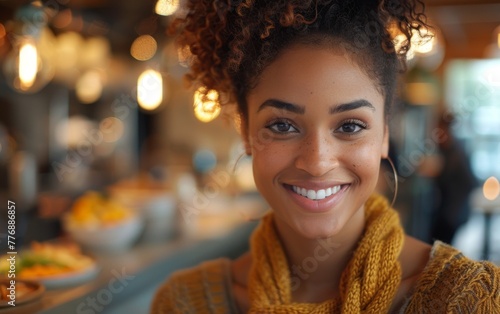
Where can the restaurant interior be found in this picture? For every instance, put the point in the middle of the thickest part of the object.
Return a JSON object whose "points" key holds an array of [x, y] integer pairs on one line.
{"points": [[110, 164]]}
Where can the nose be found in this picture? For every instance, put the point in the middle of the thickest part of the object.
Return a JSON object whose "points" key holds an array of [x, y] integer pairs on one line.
{"points": [[317, 154]]}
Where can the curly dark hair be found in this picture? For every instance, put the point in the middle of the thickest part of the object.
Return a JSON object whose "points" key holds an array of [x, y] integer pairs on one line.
{"points": [[232, 41]]}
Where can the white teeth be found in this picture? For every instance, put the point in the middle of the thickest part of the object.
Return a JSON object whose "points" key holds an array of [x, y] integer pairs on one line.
{"points": [[311, 194], [321, 194], [316, 195]]}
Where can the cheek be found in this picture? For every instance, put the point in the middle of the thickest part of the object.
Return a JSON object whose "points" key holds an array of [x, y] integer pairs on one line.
{"points": [[365, 160], [269, 158], [263, 147]]}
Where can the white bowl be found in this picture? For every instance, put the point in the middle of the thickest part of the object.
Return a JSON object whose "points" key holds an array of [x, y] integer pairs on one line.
{"points": [[157, 207], [97, 237]]}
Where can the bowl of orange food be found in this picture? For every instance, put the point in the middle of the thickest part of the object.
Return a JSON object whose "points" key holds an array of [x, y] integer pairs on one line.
{"points": [[99, 223]]}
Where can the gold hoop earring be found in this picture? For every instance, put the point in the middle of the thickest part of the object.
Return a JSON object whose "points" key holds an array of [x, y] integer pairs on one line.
{"points": [[396, 183], [246, 216], [237, 161]]}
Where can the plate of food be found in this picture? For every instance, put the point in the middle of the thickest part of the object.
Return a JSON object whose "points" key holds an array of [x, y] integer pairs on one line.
{"points": [[55, 265], [25, 291]]}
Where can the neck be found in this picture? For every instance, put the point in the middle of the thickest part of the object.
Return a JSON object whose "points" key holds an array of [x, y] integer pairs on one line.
{"points": [[317, 264]]}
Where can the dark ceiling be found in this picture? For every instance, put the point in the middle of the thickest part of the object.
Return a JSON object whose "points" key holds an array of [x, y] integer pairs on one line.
{"points": [[467, 25], [119, 20]]}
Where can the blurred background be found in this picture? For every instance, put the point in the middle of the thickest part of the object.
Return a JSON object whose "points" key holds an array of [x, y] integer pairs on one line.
{"points": [[97, 127]]}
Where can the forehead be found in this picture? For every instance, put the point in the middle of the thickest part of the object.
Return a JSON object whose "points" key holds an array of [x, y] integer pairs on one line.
{"points": [[302, 72]]}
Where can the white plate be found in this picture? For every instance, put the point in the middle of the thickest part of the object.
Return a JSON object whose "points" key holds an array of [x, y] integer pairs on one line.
{"points": [[67, 279]]}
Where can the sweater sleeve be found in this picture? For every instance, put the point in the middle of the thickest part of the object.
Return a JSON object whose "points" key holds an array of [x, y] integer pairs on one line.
{"points": [[203, 289], [173, 296], [162, 301], [480, 293], [452, 283]]}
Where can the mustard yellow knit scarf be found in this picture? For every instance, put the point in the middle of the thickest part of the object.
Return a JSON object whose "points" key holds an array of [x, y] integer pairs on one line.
{"points": [[367, 285]]}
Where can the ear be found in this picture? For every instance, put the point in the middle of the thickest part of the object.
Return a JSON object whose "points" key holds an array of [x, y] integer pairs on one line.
{"points": [[385, 143]]}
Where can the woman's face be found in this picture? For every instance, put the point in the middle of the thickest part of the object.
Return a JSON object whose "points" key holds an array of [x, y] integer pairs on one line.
{"points": [[317, 133]]}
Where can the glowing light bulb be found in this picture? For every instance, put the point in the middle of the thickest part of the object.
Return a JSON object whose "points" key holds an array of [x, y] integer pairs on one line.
{"points": [[423, 41], [206, 104], [491, 188], [28, 65], [166, 7], [150, 89]]}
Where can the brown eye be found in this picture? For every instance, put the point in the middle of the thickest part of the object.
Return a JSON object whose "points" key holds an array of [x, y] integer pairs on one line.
{"points": [[351, 127], [282, 127]]}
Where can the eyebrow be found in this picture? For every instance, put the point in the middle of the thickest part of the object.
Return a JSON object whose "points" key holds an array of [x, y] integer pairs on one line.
{"points": [[361, 103], [278, 104]]}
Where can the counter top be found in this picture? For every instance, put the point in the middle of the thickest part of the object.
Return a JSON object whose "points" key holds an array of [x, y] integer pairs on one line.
{"points": [[124, 276]]}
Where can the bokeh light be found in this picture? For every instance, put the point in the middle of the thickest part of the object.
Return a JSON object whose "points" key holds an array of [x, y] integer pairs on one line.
{"points": [[166, 7], [143, 48], [491, 188], [89, 87], [150, 90], [112, 129], [206, 104]]}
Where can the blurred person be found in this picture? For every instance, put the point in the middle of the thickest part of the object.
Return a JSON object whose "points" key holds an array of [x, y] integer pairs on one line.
{"points": [[314, 82], [453, 184]]}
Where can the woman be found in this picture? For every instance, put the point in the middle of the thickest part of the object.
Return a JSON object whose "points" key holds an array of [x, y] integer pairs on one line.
{"points": [[314, 81]]}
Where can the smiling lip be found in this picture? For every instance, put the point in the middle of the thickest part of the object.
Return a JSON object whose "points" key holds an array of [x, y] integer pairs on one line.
{"points": [[317, 199]]}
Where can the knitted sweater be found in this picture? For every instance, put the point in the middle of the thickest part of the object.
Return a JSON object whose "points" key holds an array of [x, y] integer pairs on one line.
{"points": [[450, 283]]}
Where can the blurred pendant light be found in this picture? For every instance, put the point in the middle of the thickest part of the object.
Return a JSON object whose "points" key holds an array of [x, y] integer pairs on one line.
{"points": [[69, 46], [89, 87], [426, 50], [206, 104], [150, 89], [166, 7], [28, 66], [491, 188]]}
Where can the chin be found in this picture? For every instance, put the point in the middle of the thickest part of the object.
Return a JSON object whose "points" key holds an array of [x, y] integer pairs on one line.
{"points": [[317, 228]]}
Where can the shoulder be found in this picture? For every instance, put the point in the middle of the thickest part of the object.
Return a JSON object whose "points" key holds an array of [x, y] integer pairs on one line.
{"points": [[196, 289], [453, 283]]}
